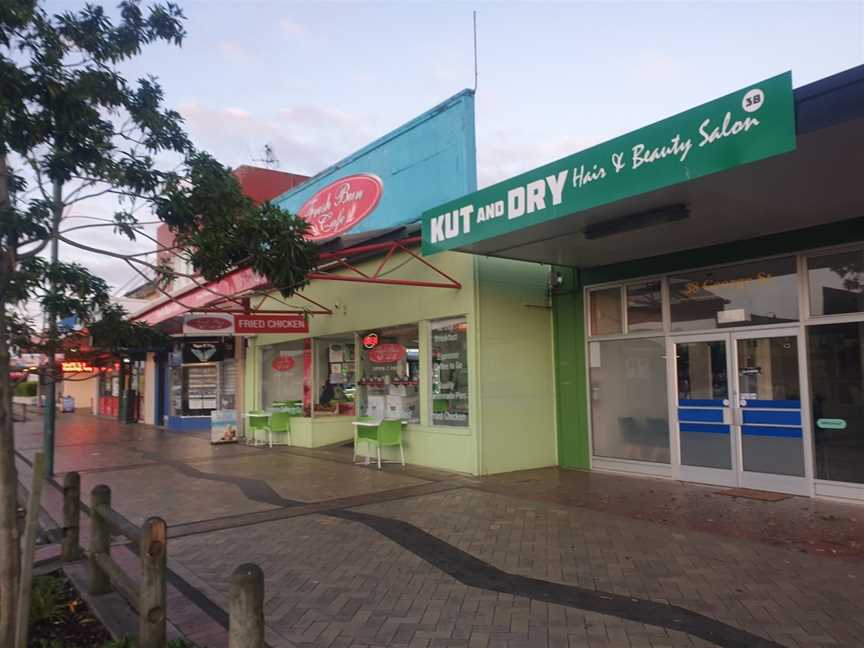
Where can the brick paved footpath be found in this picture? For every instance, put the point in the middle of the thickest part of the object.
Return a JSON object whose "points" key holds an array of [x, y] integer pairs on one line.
{"points": [[348, 561]]}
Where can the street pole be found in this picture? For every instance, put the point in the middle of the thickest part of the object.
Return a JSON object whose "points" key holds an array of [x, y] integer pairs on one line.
{"points": [[50, 419]]}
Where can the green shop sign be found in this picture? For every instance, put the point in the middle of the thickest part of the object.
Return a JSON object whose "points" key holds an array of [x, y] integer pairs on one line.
{"points": [[754, 123]]}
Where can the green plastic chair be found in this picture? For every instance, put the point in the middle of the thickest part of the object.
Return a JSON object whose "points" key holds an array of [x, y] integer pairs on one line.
{"points": [[280, 423], [389, 434], [364, 433], [259, 421]]}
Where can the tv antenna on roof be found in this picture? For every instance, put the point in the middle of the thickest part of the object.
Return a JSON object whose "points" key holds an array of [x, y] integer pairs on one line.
{"points": [[269, 160]]}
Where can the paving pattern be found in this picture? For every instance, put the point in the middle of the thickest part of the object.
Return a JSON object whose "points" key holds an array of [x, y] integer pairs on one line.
{"points": [[356, 557]]}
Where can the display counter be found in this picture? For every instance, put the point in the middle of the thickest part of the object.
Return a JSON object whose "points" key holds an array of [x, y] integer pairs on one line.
{"points": [[307, 432]]}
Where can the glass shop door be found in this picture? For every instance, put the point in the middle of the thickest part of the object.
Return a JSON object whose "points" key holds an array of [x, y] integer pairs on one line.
{"points": [[738, 410]]}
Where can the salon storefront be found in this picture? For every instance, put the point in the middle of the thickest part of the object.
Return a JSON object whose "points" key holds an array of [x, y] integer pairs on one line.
{"points": [[708, 289], [749, 373]]}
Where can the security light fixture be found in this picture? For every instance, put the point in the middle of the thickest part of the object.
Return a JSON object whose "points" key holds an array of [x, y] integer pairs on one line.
{"points": [[637, 221]]}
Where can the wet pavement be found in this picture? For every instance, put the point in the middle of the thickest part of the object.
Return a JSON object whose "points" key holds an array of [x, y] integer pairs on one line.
{"points": [[414, 557]]}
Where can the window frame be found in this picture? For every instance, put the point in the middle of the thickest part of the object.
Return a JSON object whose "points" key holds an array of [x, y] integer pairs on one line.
{"points": [[807, 314], [431, 326]]}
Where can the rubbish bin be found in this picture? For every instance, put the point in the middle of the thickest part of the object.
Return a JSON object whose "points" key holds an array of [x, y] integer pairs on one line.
{"points": [[68, 404]]}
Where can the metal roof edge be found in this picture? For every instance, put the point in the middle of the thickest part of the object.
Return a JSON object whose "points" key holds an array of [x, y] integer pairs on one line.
{"points": [[830, 101]]}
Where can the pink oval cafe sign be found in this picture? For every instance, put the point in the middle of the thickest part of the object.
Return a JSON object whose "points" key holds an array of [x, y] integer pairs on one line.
{"points": [[341, 205]]}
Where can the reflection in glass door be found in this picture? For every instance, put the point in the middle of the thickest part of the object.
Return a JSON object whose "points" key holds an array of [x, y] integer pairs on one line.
{"points": [[770, 421], [703, 411], [738, 410]]}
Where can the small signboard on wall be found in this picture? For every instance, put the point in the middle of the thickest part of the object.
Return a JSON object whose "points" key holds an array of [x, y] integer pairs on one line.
{"points": [[195, 352]]}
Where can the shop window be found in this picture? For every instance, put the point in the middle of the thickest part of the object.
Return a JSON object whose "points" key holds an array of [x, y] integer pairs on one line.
{"points": [[177, 391], [286, 375], [334, 376], [228, 385], [200, 386], [390, 373], [763, 292], [450, 373], [836, 362], [196, 375], [629, 414], [836, 283], [605, 310], [644, 307]]}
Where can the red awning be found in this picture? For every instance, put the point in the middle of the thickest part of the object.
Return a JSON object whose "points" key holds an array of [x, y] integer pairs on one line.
{"points": [[235, 291]]}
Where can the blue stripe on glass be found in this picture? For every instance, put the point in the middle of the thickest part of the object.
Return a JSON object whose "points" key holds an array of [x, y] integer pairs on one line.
{"points": [[699, 402], [703, 427], [772, 418], [774, 404], [755, 430], [707, 415]]}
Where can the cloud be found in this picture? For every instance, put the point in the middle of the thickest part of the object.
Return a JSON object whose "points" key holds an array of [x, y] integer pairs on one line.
{"points": [[319, 116], [502, 155], [291, 28], [234, 51], [306, 139]]}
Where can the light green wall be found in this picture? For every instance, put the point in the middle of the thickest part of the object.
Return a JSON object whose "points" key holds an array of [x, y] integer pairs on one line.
{"points": [[321, 431], [517, 388], [511, 382], [359, 307]]}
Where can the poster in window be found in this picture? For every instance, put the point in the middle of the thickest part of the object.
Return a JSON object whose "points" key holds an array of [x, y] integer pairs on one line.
{"points": [[224, 427], [450, 374]]}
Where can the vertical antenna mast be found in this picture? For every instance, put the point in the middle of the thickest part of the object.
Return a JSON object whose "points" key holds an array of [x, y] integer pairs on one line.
{"points": [[475, 50]]}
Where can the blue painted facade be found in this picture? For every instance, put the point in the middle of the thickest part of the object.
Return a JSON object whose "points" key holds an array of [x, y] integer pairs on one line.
{"points": [[429, 160]]}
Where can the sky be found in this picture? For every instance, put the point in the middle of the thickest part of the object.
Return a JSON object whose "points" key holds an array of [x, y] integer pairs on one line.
{"points": [[317, 80]]}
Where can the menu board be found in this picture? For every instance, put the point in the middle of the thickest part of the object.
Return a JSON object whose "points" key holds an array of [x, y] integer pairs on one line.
{"points": [[201, 389], [450, 373]]}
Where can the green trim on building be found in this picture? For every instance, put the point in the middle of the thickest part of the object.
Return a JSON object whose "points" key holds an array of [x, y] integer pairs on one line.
{"points": [[571, 380], [733, 252], [571, 383]]}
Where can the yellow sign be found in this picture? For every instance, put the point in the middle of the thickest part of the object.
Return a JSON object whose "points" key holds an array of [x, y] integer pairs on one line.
{"points": [[76, 367], [695, 287]]}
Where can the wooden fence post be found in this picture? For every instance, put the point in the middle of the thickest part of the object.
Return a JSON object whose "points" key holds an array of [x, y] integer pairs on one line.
{"points": [[246, 607], [152, 595], [100, 539], [71, 517], [25, 586]]}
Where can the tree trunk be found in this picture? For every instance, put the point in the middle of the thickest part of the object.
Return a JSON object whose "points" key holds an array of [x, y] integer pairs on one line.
{"points": [[50, 410], [9, 548]]}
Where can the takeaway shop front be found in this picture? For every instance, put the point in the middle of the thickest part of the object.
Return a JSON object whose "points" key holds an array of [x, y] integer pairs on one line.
{"points": [[708, 288], [391, 334]]}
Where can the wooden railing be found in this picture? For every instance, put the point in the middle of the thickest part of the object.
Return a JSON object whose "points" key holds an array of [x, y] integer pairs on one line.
{"points": [[148, 595], [105, 573]]}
